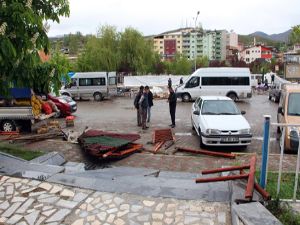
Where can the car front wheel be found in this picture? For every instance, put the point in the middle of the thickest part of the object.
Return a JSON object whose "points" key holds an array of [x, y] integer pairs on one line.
{"points": [[202, 145]]}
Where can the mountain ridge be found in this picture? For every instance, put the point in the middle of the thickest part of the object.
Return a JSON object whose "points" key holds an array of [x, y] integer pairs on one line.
{"points": [[282, 37]]}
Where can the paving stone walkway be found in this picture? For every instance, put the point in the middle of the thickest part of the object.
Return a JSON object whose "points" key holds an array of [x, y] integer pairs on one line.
{"points": [[24, 201]]}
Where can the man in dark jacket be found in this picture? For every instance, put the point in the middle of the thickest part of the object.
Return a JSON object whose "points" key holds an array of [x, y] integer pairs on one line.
{"points": [[136, 105], [172, 105], [150, 103], [143, 104]]}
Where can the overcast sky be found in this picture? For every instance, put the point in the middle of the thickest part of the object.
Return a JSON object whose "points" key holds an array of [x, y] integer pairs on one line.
{"points": [[157, 16]]}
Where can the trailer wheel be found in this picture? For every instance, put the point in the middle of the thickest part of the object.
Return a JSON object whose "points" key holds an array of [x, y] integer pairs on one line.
{"points": [[8, 126]]}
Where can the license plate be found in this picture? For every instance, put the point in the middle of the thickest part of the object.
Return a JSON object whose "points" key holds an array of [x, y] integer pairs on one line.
{"points": [[230, 139]]}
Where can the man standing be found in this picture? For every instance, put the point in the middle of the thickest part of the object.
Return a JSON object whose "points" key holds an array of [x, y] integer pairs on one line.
{"points": [[172, 105], [136, 105], [143, 105], [150, 103]]}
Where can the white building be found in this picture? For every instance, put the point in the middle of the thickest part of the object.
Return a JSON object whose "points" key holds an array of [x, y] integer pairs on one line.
{"points": [[232, 40], [256, 52]]}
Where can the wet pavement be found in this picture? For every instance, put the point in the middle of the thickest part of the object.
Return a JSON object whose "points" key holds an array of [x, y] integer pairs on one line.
{"points": [[119, 115]]}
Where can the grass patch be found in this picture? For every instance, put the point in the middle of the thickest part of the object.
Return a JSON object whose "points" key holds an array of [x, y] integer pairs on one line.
{"points": [[283, 212], [19, 151], [286, 187]]}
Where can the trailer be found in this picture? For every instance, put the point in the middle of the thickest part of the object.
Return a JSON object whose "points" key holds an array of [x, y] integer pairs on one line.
{"points": [[13, 116]]}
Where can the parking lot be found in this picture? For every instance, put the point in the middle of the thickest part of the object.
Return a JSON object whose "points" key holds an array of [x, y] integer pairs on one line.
{"points": [[119, 115]]}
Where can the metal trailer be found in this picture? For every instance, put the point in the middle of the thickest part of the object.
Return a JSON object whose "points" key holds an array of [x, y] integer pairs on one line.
{"points": [[13, 117]]}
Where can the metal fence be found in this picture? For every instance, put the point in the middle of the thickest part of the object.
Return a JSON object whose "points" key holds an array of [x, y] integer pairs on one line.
{"points": [[265, 152]]}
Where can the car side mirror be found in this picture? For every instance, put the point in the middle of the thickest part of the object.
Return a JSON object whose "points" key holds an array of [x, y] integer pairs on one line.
{"points": [[196, 113], [243, 112], [280, 110]]}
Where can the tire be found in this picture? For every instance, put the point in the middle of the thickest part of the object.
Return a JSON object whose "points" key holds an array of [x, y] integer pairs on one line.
{"points": [[98, 97], [8, 126], [186, 97], [193, 128], [66, 94], [278, 130], [58, 114], [232, 96], [200, 140], [270, 97]]}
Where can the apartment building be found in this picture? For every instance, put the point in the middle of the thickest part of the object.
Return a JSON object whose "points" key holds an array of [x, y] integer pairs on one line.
{"points": [[191, 43], [256, 52], [232, 45]]}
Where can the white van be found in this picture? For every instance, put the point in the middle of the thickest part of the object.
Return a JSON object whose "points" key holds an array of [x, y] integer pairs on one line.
{"points": [[221, 81], [92, 84]]}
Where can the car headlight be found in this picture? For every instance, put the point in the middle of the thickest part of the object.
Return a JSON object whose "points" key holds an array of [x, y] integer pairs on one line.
{"points": [[245, 131], [213, 131], [62, 101]]}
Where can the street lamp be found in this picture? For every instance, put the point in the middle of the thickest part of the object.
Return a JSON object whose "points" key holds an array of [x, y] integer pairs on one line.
{"points": [[195, 54]]}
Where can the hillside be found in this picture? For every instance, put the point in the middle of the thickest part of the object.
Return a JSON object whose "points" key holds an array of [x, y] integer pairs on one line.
{"points": [[282, 37], [248, 40]]}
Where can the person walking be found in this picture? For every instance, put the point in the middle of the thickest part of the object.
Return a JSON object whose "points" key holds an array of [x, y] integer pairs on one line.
{"points": [[181, 81], [143, 105], [172, 105], [169, 82], [150, 103], [136, 105]]}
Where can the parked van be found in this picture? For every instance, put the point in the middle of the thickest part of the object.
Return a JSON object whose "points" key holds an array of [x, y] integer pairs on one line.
{"points": [[289, 113], [92, 84], [230, 82]]}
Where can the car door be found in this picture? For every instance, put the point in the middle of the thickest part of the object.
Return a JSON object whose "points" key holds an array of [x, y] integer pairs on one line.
{"points": [[193, 87], [196, 107]]}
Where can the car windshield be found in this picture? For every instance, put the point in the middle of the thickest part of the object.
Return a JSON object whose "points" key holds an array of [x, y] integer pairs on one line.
{"points": [[294, 104], [219, 107]]}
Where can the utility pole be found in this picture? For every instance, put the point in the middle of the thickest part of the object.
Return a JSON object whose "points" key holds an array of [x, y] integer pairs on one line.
{"points": [[195, 52]]}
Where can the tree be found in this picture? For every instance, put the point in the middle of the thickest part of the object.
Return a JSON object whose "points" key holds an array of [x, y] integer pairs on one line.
{"points": [[22, 35], [202, 62], [295, 35], [180, 65], [136, 53], [101, 53]]}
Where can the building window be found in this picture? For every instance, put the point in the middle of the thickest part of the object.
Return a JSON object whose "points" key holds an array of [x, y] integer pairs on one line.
{"points": [[161, 42], [247, 52], [161, 47]]}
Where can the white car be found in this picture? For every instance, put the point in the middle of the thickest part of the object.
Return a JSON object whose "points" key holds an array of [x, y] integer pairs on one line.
{"points": [[218, 121]]}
